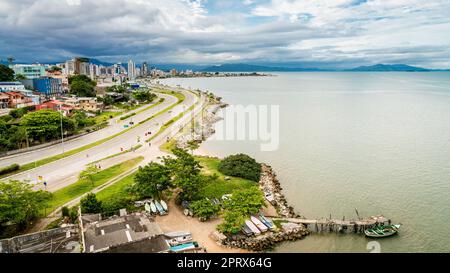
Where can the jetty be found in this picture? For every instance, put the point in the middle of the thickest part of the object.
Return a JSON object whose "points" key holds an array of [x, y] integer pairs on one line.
{"points": [[338, 226]]}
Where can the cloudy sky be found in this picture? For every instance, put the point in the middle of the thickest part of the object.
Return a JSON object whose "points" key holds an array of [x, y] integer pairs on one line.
{"points": [[340, 33]]}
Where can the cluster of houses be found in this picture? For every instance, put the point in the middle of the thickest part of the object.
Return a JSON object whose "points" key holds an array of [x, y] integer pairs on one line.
{"points": [[15, 95]]}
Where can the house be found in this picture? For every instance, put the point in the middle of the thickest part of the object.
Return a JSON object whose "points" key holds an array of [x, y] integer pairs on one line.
{"points": [[4, 101], [56, 105], [18, 100], [85, 103]]}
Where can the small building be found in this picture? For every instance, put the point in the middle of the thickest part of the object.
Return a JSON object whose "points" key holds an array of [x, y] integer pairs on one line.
{"points": [[18, 100], [4, 101], [88, 104], [56, 105], [133, 233], [12, 86]]}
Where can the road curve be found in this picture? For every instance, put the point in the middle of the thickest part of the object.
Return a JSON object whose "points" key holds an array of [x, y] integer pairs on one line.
{"points": [[63, 172]]}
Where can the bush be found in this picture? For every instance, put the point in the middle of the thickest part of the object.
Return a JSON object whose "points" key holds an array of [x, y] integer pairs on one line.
{"points": [[127, 116], [204, 209], [9, 169], [90, 204], [242, 166]]}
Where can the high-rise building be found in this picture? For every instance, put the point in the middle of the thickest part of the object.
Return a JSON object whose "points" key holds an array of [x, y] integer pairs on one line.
{"points": [[131, 70], [145, 69]]}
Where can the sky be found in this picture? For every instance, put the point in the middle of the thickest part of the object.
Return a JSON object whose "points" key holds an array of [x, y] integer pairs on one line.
{"points": [[302, 33]]}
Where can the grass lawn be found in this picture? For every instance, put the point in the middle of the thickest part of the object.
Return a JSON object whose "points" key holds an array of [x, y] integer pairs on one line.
{"points": [[117, 190], [105, 116], [79, 188], [221, 186]]}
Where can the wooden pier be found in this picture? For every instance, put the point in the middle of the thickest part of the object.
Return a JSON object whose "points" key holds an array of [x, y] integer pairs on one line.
{"points": [[339, 226]]}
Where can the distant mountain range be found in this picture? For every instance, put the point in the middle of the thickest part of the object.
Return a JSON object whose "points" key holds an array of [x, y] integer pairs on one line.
{"points": [[242, 67], [372, 68]]}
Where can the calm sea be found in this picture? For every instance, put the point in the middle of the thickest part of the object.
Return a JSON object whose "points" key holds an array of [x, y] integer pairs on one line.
{"points": [[378, 142]]}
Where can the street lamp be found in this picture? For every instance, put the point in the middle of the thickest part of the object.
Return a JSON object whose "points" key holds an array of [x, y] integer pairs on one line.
{"points": [[62, 130]]}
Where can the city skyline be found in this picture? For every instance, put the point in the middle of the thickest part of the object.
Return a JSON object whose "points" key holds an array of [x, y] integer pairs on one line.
{"points": [[215, 32]]}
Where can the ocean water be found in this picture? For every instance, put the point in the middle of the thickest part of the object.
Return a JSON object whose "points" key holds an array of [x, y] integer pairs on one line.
{"points": [[376, 142]]}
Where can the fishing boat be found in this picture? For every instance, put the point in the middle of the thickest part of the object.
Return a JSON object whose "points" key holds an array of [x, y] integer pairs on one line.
{"points": [[382, 231], [159, 208], [153, 207], [147, 208], [259, 224], [164, 205], [267, 222], [246, 230], [252, 227]]}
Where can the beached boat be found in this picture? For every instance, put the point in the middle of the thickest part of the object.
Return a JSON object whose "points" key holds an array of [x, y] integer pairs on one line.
{"points": [[267, 222], [259, 224], [153, 207], [382, 231], [176, 234], [159, 208], [147, 208], [164, 205], [246, 230], [252, 227]]}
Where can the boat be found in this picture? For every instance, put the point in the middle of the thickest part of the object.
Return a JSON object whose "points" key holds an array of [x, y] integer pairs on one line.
{"points": [[259, 224], [177, 234], [252, 227], [164, 205], [267, 222], [147, 208], [382, 231], [153, 207], [179, 240], [246, 230], [184, 247], [159, 208]]}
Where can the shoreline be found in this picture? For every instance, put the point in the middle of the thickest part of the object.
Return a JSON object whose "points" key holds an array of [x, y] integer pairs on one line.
{"points": [[276, 202]]}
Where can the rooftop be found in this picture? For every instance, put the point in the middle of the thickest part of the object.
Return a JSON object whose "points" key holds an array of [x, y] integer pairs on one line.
{"points": [[117, 231]]}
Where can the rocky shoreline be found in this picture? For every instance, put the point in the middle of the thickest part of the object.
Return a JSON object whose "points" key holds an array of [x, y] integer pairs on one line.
{"points": [[272, 190]]}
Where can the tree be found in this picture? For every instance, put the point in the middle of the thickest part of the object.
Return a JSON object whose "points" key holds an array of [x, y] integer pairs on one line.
{"points": [[107, 100], [151, 180], [82, 89], [204, 209], [246, 202], [19, 203], [46, 124], [90, 204], [6, 73], [192, 145], [82, 120], [232, 222], [87, 175], [186, 172], [116, 89], [144, 96], [241, 165]]}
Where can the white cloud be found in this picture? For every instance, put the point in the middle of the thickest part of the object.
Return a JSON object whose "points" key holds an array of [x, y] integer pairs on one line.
{"points": [[410, 31]]}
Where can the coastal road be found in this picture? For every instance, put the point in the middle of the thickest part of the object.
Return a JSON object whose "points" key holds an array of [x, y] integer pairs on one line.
{"points": [[63, 172], [116, 126]]}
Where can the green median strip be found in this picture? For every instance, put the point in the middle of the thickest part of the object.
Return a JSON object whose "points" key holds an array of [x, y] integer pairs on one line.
{"points": [[81, 187], [51, 159]]}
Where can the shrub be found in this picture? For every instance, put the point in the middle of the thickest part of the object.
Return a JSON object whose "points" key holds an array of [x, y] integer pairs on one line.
{"points": [[90, 204], [9, 169], [242, 166], [204, 209]]}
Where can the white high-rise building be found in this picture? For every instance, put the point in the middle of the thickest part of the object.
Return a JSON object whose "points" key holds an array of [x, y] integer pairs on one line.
{"points": [[131, 70]]}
